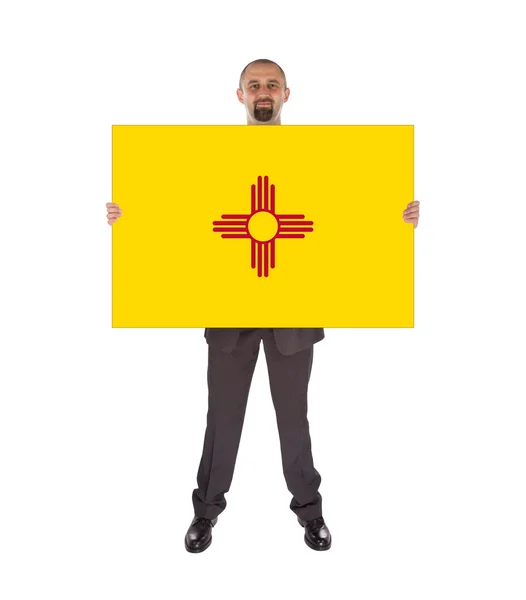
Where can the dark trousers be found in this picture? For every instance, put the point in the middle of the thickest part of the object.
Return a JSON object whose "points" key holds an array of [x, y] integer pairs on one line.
{"points": [[229, 380]]}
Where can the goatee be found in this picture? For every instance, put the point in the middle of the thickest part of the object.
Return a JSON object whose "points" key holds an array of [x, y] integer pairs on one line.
{"points": [[263, 114]]}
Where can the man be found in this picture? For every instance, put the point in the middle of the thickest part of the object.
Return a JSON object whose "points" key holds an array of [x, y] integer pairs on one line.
{"points": [[232, 357]]}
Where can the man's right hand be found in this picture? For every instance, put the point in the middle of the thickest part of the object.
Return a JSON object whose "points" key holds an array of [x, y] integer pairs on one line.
{"points": [[114, 212]]}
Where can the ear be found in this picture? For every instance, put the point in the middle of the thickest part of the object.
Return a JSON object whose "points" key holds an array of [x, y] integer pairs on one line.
{"points": [[240, 96], [287, 93]]}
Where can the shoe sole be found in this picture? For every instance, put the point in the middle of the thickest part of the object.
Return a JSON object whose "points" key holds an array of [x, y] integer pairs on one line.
{"points": [[314, 547], [197, 550]]}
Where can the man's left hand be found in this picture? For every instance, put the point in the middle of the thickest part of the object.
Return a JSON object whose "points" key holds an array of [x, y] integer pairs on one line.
{"points": [[412, 212]]}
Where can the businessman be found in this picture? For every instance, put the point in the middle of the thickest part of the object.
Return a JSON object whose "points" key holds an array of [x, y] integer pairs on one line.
{"points": [[232, 357]]}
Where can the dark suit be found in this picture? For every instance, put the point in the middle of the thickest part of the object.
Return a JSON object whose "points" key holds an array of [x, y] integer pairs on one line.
{"points": [[232, 357], [288, 341]]}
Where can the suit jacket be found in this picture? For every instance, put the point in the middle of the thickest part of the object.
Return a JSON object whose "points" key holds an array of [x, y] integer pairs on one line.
{"points": [[288, 341]]}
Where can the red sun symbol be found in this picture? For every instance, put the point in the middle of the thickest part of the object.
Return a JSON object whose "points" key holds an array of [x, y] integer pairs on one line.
{"points": [[263, 246]]}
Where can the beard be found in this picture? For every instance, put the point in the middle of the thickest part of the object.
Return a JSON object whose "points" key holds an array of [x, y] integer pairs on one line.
{"points": [[263, 113]]}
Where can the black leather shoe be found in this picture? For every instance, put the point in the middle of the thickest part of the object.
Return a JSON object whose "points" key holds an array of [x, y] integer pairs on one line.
{"points": [[317, 534], [199, 534]]}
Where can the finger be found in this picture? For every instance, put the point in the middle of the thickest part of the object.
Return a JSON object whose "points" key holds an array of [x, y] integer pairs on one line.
{"points": [[114, 211], [411, 211], [112, 204], [414, 203]]}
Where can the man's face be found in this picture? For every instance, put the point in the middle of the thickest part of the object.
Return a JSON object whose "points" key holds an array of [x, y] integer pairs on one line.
{"points": [[263, 94]]}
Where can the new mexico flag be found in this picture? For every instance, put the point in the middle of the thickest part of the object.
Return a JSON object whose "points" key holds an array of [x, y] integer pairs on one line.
{"points": [[262, 226]]}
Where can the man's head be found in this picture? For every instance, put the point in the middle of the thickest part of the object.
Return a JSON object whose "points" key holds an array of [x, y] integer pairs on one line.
{"points": [[263, 90]]}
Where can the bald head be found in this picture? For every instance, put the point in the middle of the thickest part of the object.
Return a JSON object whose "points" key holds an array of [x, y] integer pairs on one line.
{"points": [[263, 90], [261, 61]]}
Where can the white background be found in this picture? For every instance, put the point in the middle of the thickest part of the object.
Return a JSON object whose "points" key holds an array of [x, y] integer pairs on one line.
{"points": [[419, 434]]}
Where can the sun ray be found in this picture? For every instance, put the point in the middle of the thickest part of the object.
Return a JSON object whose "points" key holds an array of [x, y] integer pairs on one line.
{"points": [[230, 229], [287, 223], [295, 229], [238, 223], [259, 258]]}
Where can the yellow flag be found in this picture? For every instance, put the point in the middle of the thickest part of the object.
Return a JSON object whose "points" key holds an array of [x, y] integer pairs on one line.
{"points": [[262, 226]]}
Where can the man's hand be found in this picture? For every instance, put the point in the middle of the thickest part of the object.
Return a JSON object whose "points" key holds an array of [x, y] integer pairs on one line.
{"points": [[412, 212], [114, 212]]}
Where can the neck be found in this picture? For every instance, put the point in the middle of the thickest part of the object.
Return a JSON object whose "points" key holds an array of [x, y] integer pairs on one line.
{"points": [[254, 122]]}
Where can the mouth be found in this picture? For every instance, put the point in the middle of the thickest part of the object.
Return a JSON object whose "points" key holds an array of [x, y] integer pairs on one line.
{"points": [[263, 104]]}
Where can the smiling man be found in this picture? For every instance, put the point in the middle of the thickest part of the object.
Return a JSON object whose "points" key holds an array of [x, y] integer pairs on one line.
{"points": [[263, 90], [232, 357]]}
